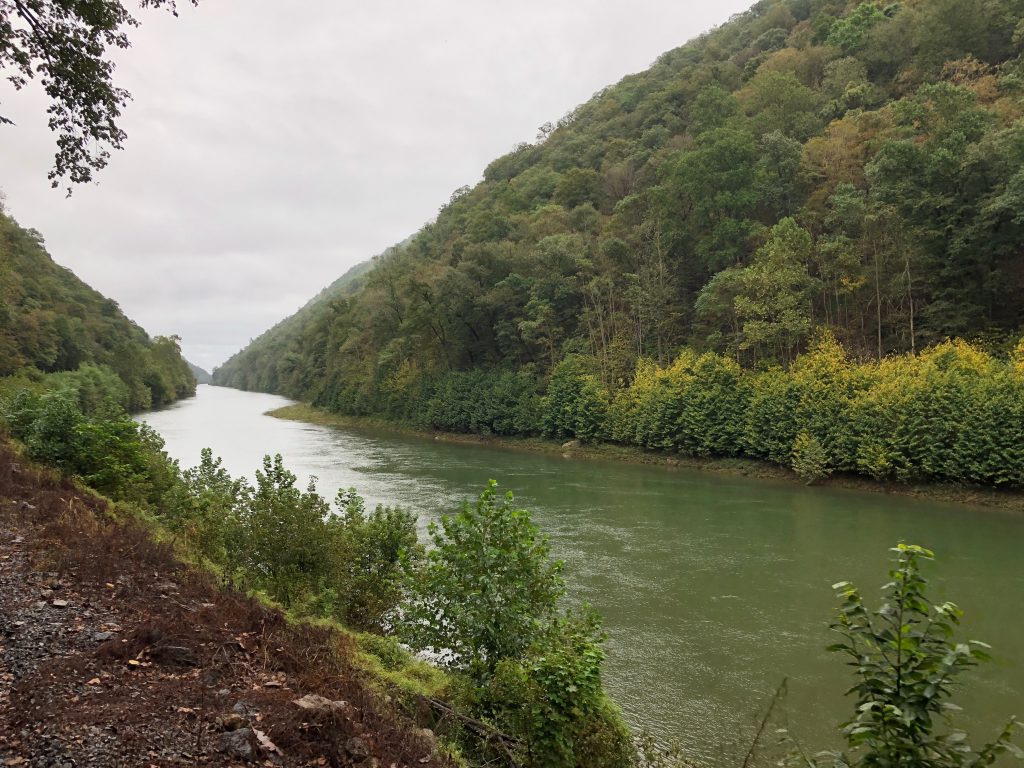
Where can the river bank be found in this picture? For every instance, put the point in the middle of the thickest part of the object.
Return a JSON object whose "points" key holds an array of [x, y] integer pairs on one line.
{"points": [[114, 651], [1010, 501], [712, 585]]}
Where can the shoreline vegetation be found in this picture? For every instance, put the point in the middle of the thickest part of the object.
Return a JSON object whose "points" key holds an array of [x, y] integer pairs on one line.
{"points": [[521, 686], [1005, 500]]}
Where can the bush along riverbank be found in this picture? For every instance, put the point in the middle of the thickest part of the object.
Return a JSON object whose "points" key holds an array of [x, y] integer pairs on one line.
{"points": [[257, 610], [947, 424], [1008, 499]]}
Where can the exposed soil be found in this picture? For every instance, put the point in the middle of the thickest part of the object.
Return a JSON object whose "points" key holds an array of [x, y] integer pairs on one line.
{"points": [[113, 653]]}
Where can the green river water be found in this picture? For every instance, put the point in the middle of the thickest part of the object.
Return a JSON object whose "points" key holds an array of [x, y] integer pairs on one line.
{"points": [[713, 588]]}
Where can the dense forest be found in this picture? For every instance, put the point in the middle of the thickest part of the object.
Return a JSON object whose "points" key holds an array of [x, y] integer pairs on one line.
{"points": [[813, 169], [56, 331]]}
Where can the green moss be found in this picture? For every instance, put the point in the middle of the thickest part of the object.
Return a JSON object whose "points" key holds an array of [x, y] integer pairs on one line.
{"points": [[397, 669]]}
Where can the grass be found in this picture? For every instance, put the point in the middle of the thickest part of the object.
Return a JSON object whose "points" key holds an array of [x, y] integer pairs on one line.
{"points": [[1012, 501]]}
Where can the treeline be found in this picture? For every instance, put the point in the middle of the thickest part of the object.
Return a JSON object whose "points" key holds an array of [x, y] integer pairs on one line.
{"points": [[952, 413], [811, 165], [57, 331]]}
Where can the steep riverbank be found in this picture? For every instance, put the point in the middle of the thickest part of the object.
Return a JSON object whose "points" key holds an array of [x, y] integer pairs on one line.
{"points": [[115, 652], [1010, 501]]}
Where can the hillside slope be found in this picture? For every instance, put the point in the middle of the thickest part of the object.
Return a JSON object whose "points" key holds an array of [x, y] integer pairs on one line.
{"points": [[827, 176], [885, 139], [114, 652], [51, 323]]}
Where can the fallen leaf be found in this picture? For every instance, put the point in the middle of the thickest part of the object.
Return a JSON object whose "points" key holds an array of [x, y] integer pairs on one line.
{"points": [[265, 743], [134, 663], [94, 681]]}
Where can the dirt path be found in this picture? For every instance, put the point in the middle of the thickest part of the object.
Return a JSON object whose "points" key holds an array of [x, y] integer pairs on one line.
{"points": [[114, 654]]}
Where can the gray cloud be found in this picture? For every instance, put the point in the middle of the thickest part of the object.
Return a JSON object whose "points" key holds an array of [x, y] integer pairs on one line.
{"points": [[273, 145]]}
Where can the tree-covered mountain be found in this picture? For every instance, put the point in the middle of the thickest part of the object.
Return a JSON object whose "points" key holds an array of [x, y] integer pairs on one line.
{"points": [[810, 166], [289, 334], [53, 323], [202, 376]]}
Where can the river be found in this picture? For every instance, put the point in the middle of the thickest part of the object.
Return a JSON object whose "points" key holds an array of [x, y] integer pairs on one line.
{"points": [[713, 588]]}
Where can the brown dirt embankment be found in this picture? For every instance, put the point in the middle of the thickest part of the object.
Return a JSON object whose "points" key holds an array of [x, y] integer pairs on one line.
{"points": [[114, 653]]}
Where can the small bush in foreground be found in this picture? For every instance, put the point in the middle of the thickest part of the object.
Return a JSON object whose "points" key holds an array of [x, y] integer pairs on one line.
{"points": [[907, 664]]}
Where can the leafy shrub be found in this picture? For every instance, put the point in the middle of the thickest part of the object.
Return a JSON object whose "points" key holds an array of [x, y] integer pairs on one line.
{"points": [[809, 459], [486, 598], [552, 699], [278, 543], [576, 403], [486, 588], [365, 559], [907, 662], [109, 451], [203, 507]]}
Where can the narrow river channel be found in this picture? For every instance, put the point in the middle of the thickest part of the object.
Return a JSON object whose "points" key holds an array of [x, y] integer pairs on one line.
{"points": [[713, 588]]}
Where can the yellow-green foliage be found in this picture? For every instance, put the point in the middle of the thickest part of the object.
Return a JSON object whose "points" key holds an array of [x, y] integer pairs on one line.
{"points": [[694, 406], [809, 458], [953, 413], [397, 668]]}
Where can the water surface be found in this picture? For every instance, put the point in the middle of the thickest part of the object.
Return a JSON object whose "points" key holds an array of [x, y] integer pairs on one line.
{"points": [[712, 588]]}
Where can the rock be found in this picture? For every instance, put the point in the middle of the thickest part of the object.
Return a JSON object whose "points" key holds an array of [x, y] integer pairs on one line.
{"points": [[174, 655], [429, 737], [357, 748], [232, 721], [571, 444], [224, 693], [26, 506], [312, 702], [244, 708], [102, 637], [240, 743], [59, 603]]}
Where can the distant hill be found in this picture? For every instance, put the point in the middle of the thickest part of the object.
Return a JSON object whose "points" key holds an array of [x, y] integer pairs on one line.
{"points": [[202, 376], [290, 331], [51, 322]]}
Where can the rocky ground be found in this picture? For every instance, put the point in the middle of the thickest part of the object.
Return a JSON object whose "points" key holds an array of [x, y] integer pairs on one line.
{"points": [[114, 654]]}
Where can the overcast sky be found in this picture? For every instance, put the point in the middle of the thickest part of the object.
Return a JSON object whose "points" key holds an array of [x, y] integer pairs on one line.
{"points": [[273, 145]]}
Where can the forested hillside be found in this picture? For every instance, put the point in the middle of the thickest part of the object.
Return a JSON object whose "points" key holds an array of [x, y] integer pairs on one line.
{"points": [[852, 169], [54, 325]]}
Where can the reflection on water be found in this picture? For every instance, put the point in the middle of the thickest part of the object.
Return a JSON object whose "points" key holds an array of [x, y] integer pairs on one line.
{"points": [[712, 588]]}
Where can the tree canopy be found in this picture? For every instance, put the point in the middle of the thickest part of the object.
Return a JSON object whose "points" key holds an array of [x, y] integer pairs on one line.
{"points": [[66, 45]]}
